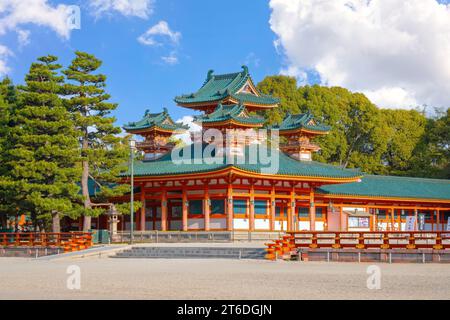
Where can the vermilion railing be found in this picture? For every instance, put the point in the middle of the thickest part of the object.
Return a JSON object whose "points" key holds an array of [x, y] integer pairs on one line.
{"points": [[383, 239], [69, 241], [288, 244]]}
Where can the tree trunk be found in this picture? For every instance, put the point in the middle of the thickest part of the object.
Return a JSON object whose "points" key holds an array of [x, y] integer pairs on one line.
{"points": [[87, 221], [85, 188], [56, 226], [3, 222]]}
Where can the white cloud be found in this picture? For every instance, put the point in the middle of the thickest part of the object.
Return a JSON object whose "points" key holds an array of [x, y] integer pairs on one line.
{"points": [[4, 54], [186, 137], [395, 51], [18, 12], [138, 8], [23, 36], [252, 59], [397, 98], [294, 71], [171, 59], [156, 35]]}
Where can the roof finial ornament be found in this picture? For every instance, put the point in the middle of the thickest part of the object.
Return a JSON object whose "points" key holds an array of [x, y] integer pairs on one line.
{"points": [[165, 110], [245, 68], [147, 111], [210, 74]]}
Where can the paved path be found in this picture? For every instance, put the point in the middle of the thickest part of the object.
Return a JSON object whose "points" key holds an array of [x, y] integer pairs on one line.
{"points": [[106, 278]]}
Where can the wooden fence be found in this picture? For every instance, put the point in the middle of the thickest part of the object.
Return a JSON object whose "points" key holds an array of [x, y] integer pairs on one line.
{"points": [[383, 239], [288, 245], [69, 241]]}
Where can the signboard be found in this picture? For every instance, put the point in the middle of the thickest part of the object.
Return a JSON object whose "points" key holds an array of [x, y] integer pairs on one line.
{"points": [[421, 222], [354, 209], [410, 223]]}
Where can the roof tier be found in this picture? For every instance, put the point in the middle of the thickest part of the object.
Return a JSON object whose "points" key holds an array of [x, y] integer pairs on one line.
{"points": [[392, 187], [155, 122], [196, 164], [231, 88], [235, 114], [301, 122]]}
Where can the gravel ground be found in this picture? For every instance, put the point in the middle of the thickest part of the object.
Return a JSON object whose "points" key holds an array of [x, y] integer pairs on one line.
{"points": [[106, 278]]}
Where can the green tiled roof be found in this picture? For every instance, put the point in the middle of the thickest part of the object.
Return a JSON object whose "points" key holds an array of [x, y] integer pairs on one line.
{"points": [[286, 166], [396, 187], [161, 120], [234, 112], [218, 87], [93, 187], [301, 121]]}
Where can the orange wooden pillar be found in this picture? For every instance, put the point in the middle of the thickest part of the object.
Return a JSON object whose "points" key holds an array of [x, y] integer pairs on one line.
{"points": [[272, 208], [312, 211], [206, 209], [392, 219], [142, 223], [251, 208], [291, 211], [185, 205], [164, 210], [438, 221], [230, 207], [416, 222]]}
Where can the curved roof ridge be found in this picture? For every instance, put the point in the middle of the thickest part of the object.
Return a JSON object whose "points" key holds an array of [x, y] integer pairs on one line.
{"points": [[299, 121], [220, 86], [155, 120], [287, 167], [392, 187], [379, 176]]}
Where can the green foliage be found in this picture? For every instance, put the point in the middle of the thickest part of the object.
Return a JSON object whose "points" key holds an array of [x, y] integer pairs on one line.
{"points": [[124, 208], [43, 151], [284, 88], [431, 157], [379, 141], [6, 184], [104, 154], [404, 129]]}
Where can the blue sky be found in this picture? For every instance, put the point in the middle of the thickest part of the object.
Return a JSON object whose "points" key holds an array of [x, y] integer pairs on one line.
{"points": [[394, 51], [214, 35]]}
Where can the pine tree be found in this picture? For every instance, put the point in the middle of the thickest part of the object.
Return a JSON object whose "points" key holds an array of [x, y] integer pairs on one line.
{"points": [[103, 152], [7, 101], [44, 148], [5, 119]]}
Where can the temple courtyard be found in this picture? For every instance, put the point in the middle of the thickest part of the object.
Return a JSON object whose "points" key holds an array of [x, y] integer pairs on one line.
{"points": [[107, 278]]}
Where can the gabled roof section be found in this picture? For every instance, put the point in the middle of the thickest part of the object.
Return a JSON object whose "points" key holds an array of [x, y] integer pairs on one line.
{"points": [[225, 113], [303, 121], [158, 121], [251, 165], [392, 187], [238, 87]]}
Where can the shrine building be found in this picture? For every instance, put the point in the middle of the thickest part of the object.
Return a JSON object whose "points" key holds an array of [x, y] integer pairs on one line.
{"points": [[197, 188]]}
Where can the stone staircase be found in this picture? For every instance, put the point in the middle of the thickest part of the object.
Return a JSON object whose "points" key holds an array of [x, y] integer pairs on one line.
{"points": [[192, 253]]}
